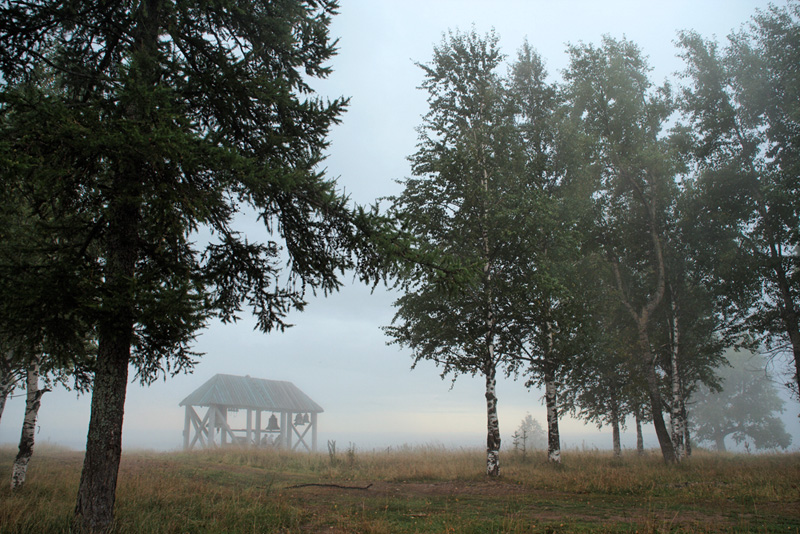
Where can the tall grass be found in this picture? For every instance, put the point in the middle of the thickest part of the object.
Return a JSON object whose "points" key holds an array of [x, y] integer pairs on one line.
{"points": [[414, 489]]}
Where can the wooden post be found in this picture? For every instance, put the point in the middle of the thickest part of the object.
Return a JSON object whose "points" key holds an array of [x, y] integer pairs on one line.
{"points": [[202, 433], [249, 432], [289, 430], [212, 426], [223, 436], [187, 425], [314, 431], [283, 433], [258, 428]]}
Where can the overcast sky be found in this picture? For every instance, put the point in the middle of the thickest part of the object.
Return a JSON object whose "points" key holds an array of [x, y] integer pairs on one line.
{"points": [[337, 353]]}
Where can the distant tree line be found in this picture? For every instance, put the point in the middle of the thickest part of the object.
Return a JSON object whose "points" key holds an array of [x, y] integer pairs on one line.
{"points": [[615, 235]]}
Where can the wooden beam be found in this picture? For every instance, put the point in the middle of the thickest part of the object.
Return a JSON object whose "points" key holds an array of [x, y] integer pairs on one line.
{"points": [[187, 425], [258, 428], [222, 416], [300, 438], [314, 432], [249, 432], [212, 426], [289, 430], [224, 429], [200, 429], [284, 432]]}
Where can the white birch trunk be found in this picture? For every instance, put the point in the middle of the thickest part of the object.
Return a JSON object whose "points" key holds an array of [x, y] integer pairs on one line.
{"points": [[676, 414], [553, 436], [493, 424], [490, 369], [32, 403], [551, 401]]}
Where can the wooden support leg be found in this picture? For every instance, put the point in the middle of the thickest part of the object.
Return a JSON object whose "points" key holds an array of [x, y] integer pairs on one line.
{"points": [[283, 430], [187, 425], [258, 428], [212, 427], [223, 418], [314, 432], [249, 431]]}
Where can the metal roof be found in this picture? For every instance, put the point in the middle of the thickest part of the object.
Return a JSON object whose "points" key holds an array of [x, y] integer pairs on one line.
{"points": [[246, 392]]}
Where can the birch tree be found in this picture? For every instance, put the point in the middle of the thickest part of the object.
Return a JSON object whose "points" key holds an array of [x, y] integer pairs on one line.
{"points": [[692, 336], [33, 400], [743, 103], [602, 383], [623, 116], [464, 203], [546, 307]]}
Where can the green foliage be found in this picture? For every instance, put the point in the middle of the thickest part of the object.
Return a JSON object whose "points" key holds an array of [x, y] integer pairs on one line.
{"points": [[482, 197], [618, 118], [744, 409], [134, 137], [486, 195], [201, 130], [743, 106], [460, 204]]}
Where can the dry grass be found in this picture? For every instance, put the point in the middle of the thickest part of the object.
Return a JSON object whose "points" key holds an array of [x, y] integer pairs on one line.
{"points": [[415, 489]]}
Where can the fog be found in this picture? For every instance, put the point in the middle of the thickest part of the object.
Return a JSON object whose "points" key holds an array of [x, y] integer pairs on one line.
{"points": [[337, 353]]}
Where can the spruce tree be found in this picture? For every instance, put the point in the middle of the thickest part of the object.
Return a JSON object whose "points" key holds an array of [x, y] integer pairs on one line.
{"points": [[161, 120]]}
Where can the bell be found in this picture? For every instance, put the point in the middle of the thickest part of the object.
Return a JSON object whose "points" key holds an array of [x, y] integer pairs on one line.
{"points": [[298, 420], [272, 426], [306, 420]]}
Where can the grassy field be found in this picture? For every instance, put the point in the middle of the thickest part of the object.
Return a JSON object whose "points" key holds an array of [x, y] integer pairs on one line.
{"points": [[420, 489]]}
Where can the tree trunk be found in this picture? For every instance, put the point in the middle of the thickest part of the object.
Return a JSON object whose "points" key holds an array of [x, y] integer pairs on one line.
{"points": [[676, 415], [637, 414], [33, 400], [686, 434], [94, 510], [551, 400], [4, 391], [720, 442], [794, 336], [662, 433], [553, 436], [642, 319], [615, 426], [96, 494], [656, 403], [493, 425], [490, 364], [646, 357], [787, 309]]}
